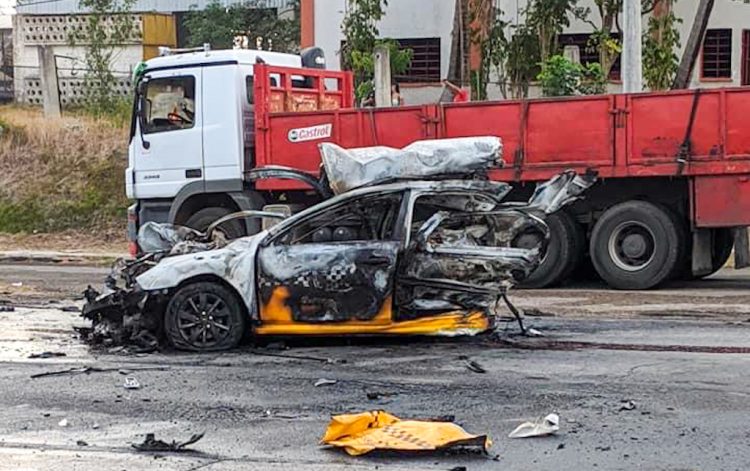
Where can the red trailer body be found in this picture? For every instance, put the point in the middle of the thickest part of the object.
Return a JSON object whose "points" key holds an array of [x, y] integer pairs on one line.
{"points": [[685, 151]]}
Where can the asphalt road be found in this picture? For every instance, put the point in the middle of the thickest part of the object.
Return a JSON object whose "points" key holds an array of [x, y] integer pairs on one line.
{"points": [[679, 354]]}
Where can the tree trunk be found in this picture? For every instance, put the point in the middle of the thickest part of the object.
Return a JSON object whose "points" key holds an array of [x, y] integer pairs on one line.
{"points": [[693, 46]]}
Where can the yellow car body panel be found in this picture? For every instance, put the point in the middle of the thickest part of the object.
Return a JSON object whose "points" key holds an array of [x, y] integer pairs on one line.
{"points": [[276, 319]]}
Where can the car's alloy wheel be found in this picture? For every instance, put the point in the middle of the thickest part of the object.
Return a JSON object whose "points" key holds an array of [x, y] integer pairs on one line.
{"points": [[204, 316]]}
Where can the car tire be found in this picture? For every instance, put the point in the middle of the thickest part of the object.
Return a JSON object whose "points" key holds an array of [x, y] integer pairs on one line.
{"points": [[204, 317], [564, 252], [206, 216], [636, 245]]}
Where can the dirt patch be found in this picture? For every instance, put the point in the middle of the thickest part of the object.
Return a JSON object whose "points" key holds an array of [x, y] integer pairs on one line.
{"points": [[107, 240]]}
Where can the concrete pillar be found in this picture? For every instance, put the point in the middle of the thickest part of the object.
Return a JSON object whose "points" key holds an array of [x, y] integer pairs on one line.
{"points": [[382, 76], [48, 74], [632, 65]]}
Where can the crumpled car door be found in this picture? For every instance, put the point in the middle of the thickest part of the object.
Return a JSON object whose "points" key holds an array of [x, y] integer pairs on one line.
{"points": [[466, 258], [465, 262], [336, 266]]}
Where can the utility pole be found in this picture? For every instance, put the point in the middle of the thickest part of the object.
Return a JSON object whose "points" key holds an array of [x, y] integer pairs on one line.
{"points": [[48, 74], [632, 60], [382, 76]]}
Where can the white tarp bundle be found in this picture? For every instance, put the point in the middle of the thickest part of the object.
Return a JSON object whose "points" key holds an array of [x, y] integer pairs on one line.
{"points": [[459, 157]]}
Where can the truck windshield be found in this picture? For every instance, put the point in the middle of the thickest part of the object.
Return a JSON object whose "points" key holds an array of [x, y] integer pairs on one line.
{"points": [[169, 104]]}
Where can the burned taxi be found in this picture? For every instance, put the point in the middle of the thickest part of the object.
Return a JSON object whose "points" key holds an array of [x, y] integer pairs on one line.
{"points": [[411, 256]]}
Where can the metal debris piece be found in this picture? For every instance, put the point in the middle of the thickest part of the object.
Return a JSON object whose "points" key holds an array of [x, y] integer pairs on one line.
{"points": [[362, 433], [82, 443], [472, 365], [131, 383], [47, 355], [92, 369], [325, 382], [152, 444], [70, 309], [63, 423], [627, 405], [375, 395], [539, 428]]}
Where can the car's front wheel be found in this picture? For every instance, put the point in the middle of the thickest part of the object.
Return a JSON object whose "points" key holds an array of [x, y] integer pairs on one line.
{"points": [[204, 316]]}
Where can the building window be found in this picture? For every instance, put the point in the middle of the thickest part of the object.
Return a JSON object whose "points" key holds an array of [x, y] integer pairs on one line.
{"points": [[717, 54], [425, 61], [588, 51]]}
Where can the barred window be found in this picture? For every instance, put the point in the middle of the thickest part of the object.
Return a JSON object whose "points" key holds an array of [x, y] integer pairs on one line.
{"points": [[425, 61], [717, 54], [588, 51]]}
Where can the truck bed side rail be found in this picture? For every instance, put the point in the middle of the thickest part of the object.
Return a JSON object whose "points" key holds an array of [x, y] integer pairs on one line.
{"points": [[287, 89]]}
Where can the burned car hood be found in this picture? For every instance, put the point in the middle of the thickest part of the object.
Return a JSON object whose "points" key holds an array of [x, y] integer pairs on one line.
{"points": [[234, 264]]}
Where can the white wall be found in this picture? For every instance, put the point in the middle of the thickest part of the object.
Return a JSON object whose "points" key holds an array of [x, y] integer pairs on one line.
{"points": [[403, 19], [434, 18]]}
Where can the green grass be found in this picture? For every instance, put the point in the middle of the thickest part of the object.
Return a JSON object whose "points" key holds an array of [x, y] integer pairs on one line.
{"points": [[60, 174]]}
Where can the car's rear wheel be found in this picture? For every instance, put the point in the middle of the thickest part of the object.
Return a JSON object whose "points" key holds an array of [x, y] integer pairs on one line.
{"points": [[204, 316]]}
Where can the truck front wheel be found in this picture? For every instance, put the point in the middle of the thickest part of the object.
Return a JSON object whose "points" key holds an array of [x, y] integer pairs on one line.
{"points": [[635, 245], [203, 218]]}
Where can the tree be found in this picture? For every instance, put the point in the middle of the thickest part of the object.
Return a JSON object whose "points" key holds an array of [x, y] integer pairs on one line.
{"points": [[108, 26], [519, 56], [562, 77], [249, 21], [361, 36], [660, 41]]}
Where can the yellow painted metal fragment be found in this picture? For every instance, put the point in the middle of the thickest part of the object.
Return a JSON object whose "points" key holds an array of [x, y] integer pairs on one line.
{"points": [[362, 433]]}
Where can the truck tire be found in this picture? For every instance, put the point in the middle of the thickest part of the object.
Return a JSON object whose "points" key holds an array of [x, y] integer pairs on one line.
{"points": [[564, 252], [635, 245], [204, 317], [203, 218]]}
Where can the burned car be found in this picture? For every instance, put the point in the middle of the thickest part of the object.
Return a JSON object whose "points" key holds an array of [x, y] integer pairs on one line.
{"points": [[431, 257]]}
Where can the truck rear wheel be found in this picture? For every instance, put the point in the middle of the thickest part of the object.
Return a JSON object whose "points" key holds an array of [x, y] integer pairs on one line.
{"points": [[564, 252], [636, 245], [203, 218]]}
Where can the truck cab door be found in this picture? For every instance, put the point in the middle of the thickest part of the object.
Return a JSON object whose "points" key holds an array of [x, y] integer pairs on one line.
{"points": [[167, 148]]}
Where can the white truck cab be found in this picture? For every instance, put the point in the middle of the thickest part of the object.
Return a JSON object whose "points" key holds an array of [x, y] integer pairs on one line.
{"points": [[192, 134]]}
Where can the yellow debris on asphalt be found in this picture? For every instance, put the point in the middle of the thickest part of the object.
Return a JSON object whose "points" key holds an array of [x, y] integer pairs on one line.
{"points": [[378, 430]]}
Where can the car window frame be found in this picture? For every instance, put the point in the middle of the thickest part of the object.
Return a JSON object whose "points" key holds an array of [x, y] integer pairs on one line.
{"points": [[397, 234]]}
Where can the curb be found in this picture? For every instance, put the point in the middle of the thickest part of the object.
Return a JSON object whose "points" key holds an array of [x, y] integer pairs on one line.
{"points": [[58, 258]]}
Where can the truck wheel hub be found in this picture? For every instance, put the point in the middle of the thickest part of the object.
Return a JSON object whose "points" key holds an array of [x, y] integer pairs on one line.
{"points": [[632, 246]]}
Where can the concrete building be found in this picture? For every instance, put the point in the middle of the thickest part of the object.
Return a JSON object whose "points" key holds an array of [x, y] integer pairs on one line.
{"points": [[49, 23], [426, 26]]}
